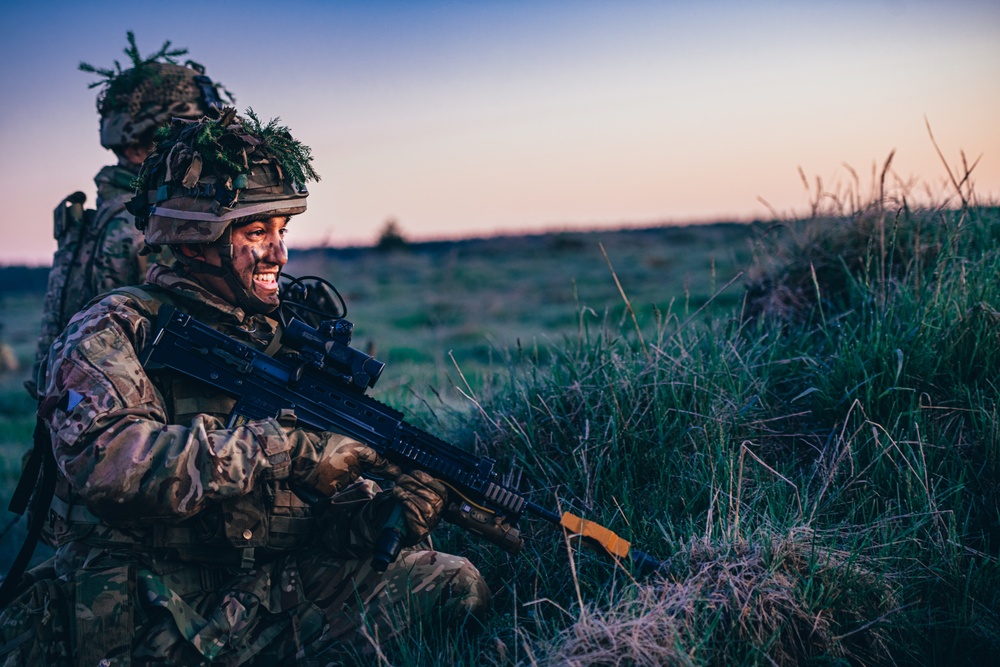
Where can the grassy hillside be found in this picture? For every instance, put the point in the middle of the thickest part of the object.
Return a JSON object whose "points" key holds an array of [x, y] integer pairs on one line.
{"points": [[818, 468], [473, 299], [812, 450]]}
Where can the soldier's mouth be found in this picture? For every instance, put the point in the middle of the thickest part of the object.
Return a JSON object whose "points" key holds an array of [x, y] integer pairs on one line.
{"points": [[265, 281]]}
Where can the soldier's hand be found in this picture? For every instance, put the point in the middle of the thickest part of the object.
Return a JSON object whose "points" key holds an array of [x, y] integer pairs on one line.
{"points": [[422, 498], [335, 464]]}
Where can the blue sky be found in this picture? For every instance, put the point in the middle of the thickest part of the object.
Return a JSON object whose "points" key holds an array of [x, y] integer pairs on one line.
{"points": [[470, 118]]}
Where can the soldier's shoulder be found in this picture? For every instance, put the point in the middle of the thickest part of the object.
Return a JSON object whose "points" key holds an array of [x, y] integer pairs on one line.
{"points": [[120, 235], [122, 306], [117, 318], [112, 214], [114, 211]]}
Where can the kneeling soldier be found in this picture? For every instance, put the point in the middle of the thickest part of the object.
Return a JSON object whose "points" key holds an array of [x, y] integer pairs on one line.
{"points": [[182, 541]]}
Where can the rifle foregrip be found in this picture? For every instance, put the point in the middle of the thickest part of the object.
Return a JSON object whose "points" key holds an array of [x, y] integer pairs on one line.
{"points": [[390, 542], [492, 527]]}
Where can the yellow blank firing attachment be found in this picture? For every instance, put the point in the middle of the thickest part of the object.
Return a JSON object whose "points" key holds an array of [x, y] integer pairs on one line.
{"points": [[595, 533]]}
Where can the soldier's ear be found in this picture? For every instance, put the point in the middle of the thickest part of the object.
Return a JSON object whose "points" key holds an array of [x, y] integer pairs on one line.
{"points": [[191, 250], [136, 153]]}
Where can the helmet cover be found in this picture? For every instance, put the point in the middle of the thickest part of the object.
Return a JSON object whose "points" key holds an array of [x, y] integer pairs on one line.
{"points": [[135, 101], [203, 175]]}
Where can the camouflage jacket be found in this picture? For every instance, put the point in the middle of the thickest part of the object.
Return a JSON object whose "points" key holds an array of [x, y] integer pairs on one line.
{"points": [[117, 261], [180, 542], [95, 254], [145, 463]]}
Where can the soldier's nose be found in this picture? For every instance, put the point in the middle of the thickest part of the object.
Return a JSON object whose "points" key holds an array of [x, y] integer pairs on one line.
{"points": [[277, 252]]}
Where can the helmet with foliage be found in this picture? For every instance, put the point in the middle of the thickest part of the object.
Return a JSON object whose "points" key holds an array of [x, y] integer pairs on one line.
{"points": [[136, 101], [206, 175]]}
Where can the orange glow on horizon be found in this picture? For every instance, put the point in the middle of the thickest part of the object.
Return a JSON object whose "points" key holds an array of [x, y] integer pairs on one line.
{"points": [[492, 118]]}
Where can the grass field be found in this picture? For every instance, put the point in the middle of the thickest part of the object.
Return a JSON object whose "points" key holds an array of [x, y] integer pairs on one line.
{"points": [[472, 299], [434, 309], [811, 448]]}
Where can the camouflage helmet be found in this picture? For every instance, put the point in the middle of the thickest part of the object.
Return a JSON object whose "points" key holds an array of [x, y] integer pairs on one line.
{"points": [[137, 100], [203, 175]]}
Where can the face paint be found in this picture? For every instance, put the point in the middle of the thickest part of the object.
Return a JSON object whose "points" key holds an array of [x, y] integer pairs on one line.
{"points": [[244, 265], [258, 256]]}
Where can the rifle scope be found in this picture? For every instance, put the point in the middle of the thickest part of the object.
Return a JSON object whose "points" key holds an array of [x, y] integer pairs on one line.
{"points": [[332, 351]]}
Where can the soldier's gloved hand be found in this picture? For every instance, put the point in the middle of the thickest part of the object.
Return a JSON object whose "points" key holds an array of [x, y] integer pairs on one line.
{"points": [[330, 462], [423, 499]]}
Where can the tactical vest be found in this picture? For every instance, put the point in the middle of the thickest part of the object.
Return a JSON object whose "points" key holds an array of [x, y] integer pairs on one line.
{"points": [[79, 235], [237, 531]]}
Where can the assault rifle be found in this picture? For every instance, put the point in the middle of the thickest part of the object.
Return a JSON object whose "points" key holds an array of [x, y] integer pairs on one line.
{"points": [[325, 387]]}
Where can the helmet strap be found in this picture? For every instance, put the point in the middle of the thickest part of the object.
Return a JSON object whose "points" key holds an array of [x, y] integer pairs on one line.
{"points": [[195, 265], [245, 299]]}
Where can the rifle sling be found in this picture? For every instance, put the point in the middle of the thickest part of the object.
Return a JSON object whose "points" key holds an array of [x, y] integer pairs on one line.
{"points": [[40, 505], [29, 478], [275, 344]]}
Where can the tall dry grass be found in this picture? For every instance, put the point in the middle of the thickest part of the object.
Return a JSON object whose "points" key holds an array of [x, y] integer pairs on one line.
{"points": [[819, 467]]}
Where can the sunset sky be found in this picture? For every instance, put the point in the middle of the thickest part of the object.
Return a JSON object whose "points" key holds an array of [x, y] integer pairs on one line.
{"points": [[480, 117]]}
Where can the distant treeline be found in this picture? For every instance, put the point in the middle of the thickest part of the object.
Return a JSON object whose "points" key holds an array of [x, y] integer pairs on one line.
{"points": [[20, 280], [23, 279], [544, 241]]}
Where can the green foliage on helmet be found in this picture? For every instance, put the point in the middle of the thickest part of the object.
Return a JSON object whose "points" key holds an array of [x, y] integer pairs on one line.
{"points": [[294, 156], [202, 175], [119, 83], [148, 91]]}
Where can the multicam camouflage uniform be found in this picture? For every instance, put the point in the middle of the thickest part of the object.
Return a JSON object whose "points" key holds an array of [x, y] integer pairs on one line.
{"points": [[212, 559], [101, 253], [180, 540], [117, 261]]}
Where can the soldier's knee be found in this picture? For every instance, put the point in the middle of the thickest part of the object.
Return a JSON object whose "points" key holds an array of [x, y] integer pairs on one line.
{"points": [[449, 583], [467, 592]]}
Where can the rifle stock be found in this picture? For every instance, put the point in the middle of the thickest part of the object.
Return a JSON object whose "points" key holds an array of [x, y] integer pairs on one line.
{"points": [[326, 391]]}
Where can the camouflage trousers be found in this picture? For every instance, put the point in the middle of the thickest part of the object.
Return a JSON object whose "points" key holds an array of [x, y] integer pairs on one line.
{"points": [[308, 608]]}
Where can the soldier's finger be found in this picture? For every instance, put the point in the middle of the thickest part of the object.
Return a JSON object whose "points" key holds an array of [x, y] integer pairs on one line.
{"points": [[369, 459], [430, 482]]}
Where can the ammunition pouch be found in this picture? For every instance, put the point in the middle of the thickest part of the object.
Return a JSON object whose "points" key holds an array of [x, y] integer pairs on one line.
{"points": [[237, 532]]}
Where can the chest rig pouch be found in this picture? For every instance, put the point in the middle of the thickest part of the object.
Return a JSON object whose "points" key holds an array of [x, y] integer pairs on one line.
{"points": [[269, 519]]}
